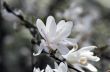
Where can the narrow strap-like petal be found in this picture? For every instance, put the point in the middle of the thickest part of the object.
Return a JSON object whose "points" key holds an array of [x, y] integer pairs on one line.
{"points": [[36, 70], [51, 26], [39, 50], [60, 25], [92, 58], [48, 69], [41, 27], [77, 66], [91, 67], [63, 49], [65, 31], [88, 48], [62, 67]]}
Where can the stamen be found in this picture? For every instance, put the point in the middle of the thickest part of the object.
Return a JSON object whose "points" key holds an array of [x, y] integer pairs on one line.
{"points": [[83, 60]]}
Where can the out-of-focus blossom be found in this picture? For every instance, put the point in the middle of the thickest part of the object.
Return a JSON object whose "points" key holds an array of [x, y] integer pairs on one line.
{"points": [[83, 17], [39, 6], [37, 70], [48, 69], [73, 12], [61, 68], [55, 36], [81, 58]]}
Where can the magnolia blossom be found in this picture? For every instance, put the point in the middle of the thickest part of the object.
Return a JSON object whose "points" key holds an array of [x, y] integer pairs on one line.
{"points": [[61, 68], [55, 36], [81, 58]]}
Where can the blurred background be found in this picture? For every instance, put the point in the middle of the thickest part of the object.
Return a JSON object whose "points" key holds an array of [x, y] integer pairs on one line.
{"points": [[91, 26]]}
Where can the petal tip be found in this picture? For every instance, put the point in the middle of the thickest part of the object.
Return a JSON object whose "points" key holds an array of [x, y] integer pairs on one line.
{"points": [[98, 59], [50, 17], [38, 21]]}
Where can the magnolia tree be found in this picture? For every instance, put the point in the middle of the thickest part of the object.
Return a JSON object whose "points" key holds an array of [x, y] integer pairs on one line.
{"points": [[55, 41]]}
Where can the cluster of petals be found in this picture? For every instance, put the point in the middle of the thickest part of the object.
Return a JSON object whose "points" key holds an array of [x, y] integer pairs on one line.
{"points": [[55, 35], [80, 58], [61, 68]]}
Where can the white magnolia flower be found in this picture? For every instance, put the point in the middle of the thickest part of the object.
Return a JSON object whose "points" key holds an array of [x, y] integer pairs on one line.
{"points": [[61, 68], [81, 58], [55, 36]]}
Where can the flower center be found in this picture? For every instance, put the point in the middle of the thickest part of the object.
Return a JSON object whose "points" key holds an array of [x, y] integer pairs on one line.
{"points": [[83, 60]]}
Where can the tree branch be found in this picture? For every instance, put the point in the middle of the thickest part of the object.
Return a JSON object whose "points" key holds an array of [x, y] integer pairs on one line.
{"points": [[34, 32], [69, 65]]}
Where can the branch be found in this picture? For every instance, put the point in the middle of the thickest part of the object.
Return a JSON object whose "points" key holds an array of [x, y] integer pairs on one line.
{"points": [[34, 32], [69, 65]]}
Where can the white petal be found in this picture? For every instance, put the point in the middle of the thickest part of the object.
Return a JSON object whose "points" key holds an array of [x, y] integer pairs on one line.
{"points": [[72, 57], [48, 69], [89, 55], [86, 53], [36, 70], [68, 42], [39, 49], [93, 58], [88, 48], [51, 26], [42, 70], [77, 66], [41, 27], [71, 40], [36, 54], [56, 65], [55, 70], [44, 46], [63, 49], [91, 67], [62, 67], [60, 25], [73, 50], [65, 31]]}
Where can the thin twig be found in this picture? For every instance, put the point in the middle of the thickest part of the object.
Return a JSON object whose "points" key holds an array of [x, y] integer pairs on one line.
{"points": [[33, 30], [26, 23]]}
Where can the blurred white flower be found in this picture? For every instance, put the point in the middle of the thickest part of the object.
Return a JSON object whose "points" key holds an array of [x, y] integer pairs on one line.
{"points": [[81, 58], [55, 36], [37, 70], [85, 15], [73, 12], [61, 68], [47, 69]]}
